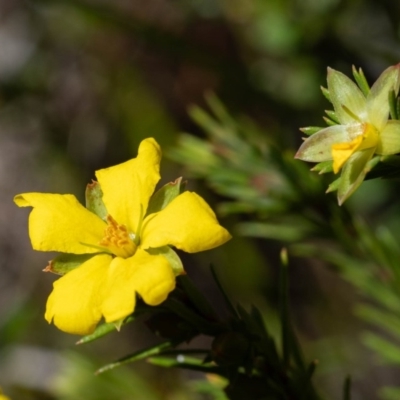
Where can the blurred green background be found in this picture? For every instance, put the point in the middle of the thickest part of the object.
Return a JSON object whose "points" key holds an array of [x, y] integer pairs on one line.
{"points": [[82, 82]]}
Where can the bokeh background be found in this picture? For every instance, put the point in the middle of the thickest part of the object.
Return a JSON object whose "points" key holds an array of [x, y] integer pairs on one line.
{"points": [[82, 82]]}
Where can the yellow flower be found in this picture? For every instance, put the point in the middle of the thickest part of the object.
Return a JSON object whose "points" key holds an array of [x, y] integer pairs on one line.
{"points": [[364, 128], [2, 396], [125, 250]]}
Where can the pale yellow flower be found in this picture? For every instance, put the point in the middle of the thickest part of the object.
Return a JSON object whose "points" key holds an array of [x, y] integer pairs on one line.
{"points": [[364, 128]]}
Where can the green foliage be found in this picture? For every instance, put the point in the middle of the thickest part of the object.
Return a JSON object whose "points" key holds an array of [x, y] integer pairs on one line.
{"points": [[239, 163], [243, 351], [366, 258]]}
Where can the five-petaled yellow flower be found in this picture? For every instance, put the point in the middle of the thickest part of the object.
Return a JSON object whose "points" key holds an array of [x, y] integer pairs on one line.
{"points": [[121, 262]]}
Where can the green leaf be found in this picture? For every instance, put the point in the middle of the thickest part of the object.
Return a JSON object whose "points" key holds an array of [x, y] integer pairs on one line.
{"points": [[329, 121], [380, 318], [138, 355], [103, 330], [252, 325], [256, 315], [326, 93], [228, 303], [323, 167], [220, 111], [94, 200], [333, 186], [202, 325], [290, 345], [185, 362], [205, 121], [389, 393], [388, 351], [347, 388], [332, 116], [361, 80], [65, 263], [165, 195], [171, 257], [310, 130], [288, 232], [197, 298]]}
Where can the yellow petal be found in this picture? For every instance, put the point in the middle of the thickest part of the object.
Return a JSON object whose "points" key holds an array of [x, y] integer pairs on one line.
{"points": [[341, 152], [60, 223], [149, 275], [75, 302], [187, 223], [127, 187]]}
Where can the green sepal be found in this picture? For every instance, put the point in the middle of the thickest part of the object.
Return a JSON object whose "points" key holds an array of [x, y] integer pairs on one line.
{"points": [[326, 93], [333, 186], [65, 262], [171, 257], [361, 80], [372, 163], [332, 116], [94, 200], [310, 130], [353, 173], [165, 195], [104, 329], [323, 167], [329, 122]]}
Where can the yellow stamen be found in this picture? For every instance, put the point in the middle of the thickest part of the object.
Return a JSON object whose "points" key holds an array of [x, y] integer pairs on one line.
{"points": [[118, 239]]}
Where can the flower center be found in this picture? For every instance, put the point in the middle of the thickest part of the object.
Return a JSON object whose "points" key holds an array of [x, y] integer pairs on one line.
{"points": [[341, 152], [370, 136], [118, 240]]}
